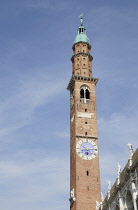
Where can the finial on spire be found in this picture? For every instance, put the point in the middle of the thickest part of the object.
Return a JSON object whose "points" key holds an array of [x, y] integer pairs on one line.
{"points": [[81, 20], [81, 37]]}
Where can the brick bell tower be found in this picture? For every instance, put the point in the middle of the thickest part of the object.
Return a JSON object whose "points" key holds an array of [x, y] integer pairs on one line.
{"points": [[84, 158]]}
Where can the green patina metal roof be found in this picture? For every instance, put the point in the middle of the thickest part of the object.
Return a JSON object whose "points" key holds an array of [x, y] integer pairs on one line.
{"points": [[81, 37]]}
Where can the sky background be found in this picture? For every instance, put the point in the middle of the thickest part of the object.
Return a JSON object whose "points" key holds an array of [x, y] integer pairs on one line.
{"points": [[36, 38]]}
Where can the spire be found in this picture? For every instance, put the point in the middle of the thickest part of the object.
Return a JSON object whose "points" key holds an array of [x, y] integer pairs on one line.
{"points": [[81, 20], [81, 37]]}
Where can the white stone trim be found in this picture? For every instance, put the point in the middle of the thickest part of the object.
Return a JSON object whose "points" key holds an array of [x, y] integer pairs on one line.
{"points": [[85, 115]]}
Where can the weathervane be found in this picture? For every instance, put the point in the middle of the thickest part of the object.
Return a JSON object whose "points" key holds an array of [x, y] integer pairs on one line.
{"points": [[81, 20]]}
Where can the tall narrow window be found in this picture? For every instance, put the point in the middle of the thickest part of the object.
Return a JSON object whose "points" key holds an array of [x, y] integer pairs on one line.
{"points": [[87, 173], [81, 93], [84, 94], [87, 94]]}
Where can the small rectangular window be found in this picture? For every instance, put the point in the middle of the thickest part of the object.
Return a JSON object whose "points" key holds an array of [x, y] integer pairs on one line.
{"points": [[85, 133], [85, 122], [87, 173], [85, 110]]}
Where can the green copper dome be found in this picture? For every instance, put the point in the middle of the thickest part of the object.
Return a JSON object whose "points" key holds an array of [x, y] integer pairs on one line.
{"points": [[81, 37]]}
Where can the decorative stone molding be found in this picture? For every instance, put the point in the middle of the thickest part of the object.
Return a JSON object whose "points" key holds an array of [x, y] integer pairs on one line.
{"points": [[82, 53], [80, 78], [72, 198]]}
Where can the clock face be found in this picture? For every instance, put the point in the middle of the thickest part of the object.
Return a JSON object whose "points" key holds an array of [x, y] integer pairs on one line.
{"points": [[86, 149]]}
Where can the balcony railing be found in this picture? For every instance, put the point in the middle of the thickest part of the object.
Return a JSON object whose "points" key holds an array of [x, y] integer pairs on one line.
{"points": [[85, 101]]}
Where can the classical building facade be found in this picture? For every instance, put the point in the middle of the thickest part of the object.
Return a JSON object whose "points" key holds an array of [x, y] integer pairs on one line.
{"points": [[123, 195], [84, 158]]}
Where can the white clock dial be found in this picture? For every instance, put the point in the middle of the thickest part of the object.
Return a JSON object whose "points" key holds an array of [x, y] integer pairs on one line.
{"points": [[86, 149]]}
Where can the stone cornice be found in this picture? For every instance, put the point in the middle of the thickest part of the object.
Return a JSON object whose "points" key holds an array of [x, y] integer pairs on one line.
{"points": [[89, 46], [82, 53], [80, 78], [87, 137]]}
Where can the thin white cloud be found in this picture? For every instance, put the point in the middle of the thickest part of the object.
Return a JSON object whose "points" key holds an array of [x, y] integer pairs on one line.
{"points": [[47, 5], [35, 181], [120, 129], [115, 134], [18, 108], [63, 134]]}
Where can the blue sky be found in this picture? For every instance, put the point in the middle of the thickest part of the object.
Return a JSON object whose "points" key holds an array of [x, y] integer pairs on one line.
{"points": [[36, 39]]}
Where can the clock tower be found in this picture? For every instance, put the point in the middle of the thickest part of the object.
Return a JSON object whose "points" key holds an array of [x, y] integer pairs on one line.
{"points": [[84, 158]]}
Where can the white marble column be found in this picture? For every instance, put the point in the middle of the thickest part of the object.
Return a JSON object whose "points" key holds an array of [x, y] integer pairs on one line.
{"points": [[121, 205], [134, 195]]}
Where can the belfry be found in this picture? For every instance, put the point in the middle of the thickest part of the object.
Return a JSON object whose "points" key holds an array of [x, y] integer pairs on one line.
{"points": [[84, 158]]}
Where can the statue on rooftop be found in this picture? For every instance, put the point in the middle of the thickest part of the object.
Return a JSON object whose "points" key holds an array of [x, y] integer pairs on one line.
{"points": [[119, 169], [109, 185], [130, 149]]}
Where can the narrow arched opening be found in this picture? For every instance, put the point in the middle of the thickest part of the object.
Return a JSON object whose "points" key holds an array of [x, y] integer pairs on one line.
{"points": [[129, 201], [82, 93], [87, 94]]}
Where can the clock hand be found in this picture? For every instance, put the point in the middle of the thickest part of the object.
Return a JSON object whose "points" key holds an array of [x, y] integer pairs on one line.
{"points": [[85, 147], [92, 150], [88, 149]]}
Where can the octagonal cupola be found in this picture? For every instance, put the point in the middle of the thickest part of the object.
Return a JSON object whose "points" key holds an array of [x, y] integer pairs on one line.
{"points": [[81, 36]]}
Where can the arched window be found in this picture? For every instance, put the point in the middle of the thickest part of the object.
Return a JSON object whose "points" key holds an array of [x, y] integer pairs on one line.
{"points": [[129, 201], [84, 94]]}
